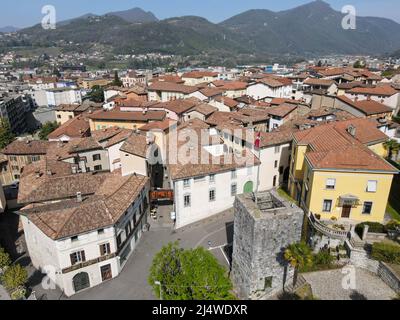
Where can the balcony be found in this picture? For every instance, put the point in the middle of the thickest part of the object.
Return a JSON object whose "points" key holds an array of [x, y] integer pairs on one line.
{"points": [[328, 229]]}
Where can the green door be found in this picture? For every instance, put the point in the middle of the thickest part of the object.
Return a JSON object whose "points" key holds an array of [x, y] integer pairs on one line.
{"points": [[248, 187]]}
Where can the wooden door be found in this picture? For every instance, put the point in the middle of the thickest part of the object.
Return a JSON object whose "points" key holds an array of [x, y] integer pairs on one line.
{"points": [[346, 211], [106, 273]]}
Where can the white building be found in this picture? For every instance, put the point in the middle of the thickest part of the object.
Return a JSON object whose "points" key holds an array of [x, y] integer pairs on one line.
{"points": [[56, 97], [269, 88], [384, 94], [166, 91], [208, 183], [90, 237]]}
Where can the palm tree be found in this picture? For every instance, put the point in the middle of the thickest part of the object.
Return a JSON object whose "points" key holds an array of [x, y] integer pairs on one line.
{"points": [[298, 255], [393, 148]]}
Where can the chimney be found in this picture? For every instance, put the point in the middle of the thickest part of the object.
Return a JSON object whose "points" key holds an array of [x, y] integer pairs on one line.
{"points": [[351, 130], [79, 197], [49, 173], [74, 169]]}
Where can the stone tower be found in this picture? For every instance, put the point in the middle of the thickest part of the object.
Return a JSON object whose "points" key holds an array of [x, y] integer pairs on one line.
{"points": [[261, 233]]}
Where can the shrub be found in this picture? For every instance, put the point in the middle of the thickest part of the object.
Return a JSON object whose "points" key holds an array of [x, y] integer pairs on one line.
{"points": [[385, 252], [373, 227], [18, 294], [323, 258], [391, 225], [5, 260], [14, 277]]}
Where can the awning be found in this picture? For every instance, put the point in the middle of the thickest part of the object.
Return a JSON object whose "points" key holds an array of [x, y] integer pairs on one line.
{"points": [[348, 200]]}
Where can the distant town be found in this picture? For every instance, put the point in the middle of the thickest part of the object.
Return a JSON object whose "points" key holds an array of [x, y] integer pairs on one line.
{"points": [[161, 181]]}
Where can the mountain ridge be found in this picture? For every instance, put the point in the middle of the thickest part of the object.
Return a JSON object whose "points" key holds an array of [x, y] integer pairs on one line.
{"points": [[309, 29]]}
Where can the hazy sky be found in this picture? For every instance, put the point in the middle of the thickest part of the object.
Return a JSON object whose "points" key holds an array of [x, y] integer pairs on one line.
{"points": [[22, 13]]}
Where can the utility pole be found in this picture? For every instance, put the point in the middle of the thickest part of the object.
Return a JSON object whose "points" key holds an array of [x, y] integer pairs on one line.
{"points": [[158, 283]]}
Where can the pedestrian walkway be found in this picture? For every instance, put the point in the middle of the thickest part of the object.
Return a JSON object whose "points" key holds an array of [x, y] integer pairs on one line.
{"points": [[4, 294]]}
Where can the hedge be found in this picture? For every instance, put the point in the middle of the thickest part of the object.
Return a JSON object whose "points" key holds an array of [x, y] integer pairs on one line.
{"points": [[385, 252], [374, 227]]}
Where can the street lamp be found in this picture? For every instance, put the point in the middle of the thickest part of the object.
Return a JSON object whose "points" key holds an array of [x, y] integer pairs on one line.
{"points": [[158, 283]]}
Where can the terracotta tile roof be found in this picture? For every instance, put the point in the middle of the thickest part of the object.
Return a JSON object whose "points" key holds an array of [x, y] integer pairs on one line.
{"points": [[119, 137], [136, 144], [171, 87], [67, 107], [350, 85], [106, 133], [354, 157], [333, 147], [218, 83], [204, 109], [169, 78], [366, 130], [26, 147], [274, 83], [318, 82], [77, 127], [84, 144], [282, 110], [384, 90], [231, 103], [159, 125], [279, 101], [199, 74], [255, 114], [116, 114], [211, 92], [212, 165], [178, 106], [218, 118], [103, 208], [368, 107], [193, 123], [268, 139], [38, 185], [234, 85]]}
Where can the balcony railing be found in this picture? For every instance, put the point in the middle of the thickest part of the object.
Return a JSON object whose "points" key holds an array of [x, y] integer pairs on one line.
{"points": [[326, 230], [88, 263]]}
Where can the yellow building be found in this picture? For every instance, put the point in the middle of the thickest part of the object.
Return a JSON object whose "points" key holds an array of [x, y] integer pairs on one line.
{"points": [[17, 155], [88, 84], [123, 119], [337, 170]]}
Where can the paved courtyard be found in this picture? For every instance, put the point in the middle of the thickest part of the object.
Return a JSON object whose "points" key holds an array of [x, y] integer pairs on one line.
{"points": [[327, 285], [131, 284]]}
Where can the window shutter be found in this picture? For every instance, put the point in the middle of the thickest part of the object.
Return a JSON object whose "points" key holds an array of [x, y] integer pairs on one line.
{"points": [[371, 186], [73, 258], [83, 255]]}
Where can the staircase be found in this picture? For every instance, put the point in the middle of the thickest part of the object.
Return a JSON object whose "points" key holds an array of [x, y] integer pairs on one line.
{"points": [[301, 281]]}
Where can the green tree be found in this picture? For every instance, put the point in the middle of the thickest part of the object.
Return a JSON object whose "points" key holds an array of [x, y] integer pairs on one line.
{"points": [[298, 255], [47, 128], [117, 82], [5, 260], [393, 148], [14, 277], [6, 135], [359, 64], [97, 94], [195, 274]]}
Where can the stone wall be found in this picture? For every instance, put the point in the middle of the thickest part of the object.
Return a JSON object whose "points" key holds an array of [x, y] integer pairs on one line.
{"points": [[389, 276], [259, 240], [359, 257]]}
